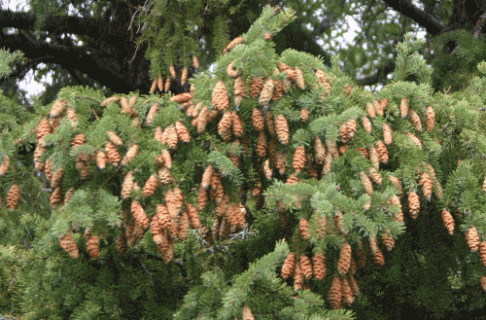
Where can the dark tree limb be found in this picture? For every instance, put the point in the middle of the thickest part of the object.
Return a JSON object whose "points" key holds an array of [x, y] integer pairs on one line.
{"points": [[383, 71], [425, 20]]}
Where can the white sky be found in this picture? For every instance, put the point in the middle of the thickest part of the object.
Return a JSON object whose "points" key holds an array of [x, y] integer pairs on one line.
{"points": [[34, 88]]}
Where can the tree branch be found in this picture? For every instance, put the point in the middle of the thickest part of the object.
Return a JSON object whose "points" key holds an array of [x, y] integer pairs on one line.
{"points": [[383, 70], [429, 22]]}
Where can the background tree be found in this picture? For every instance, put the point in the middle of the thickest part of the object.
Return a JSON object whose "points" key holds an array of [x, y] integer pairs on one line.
{"points": [[178, 50]]}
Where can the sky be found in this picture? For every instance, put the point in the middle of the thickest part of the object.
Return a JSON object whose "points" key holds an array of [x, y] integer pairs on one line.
{"points": [[34, 88]]}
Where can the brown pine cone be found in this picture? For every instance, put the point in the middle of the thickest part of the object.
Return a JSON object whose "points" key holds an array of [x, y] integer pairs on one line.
{"points": [[299, 159], [167, 84], [261, 146], [92, 247], [396, 201], [288, 266], [413, 204], [164, 220], [344, 261], [335, 293], [150, 186], [370, 109], [304, 228], [281, 161], [270, 124], [377, 254], [109, 100], [366, 183], [430, 119], [112, 154], [58, 108], [381, 107], [426, 183], [130, 155], [224, 126], [256, 87], [237, 124], [331, 147], [239, 90], [69, 245], [127, 186], [376, 176], [396, 183], [319, 151], [13, 197], [267, 92], [404, 107], [247, 314], [257, 119], [387, 134], [78, 140], [448, 221], [202, 198], [415, 139], [121, 242], [236, 41], [388, 240], [326, 168], [165, 176], [56, 197], [291, 73], [139, 214], [182, 97], [277, 90], [5, 165], [182, 226], [184, 75], [348, 297], [194, 220], [415, 119], [267, 170], [182, 132], [472, 238], [382, 152], [306, 267], [71, 115], [319, 263], [351, 127], [195, 61], [115, 139], [354, 285], [299, 78], [169, 137], [220, 98], [367, 124], [206, 178]]}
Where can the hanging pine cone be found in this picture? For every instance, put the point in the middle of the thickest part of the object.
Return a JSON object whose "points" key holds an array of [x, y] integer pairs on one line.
{"points": [[288, 266], [344, 261], [195, 61], [237, 124], [415, 139], [404, 106], [151, 114], [101, 160], [43, 129], [256, 87], [202, 198], [139, 214], [305, 266], [299, 78], [298, 278], [304, 228], [281, 161], [299, 159], [115, 139], [184, 75], [388, 240], [13, 197], [426, 183], [377, 254], [164, 217], [448, 221], [182, 132], [366, 183], [69, 245], [351, 127], [257, 119], [266, 93], [267, 170], [335, 293], [112, 154], [58, 108], [5, 165], [236, 41], [71, 115], [220, 98], [430, 119], [331, 147], [127, 186], [343, 134], [239, 90], [319, 151], [387, 134], [348, 297], [194, 220], [415, 119], [270, 124], [291, 73], [121, 242], [413, 204], [231, 71], [224, 126], [92, 247], [354, 285], [364, 152], [326, 168], [370, 109], [375, 158], [150, 186], [130, 155], [396, 201], [367, 124], [380, 109], [472, 238], [282, 129], [182, 226], [319, 263], [56, 197], [277, 90], [167, 84], [247, 314], [382, 152], [109, 100], [375, 176], [78, 140], [394, 180]]}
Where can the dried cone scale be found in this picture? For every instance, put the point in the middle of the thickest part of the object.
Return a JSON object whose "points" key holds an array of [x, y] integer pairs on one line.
{"points": [[344, 261], [448, 221]]}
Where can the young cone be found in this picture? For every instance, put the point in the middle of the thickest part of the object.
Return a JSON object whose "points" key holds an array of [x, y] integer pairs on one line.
{"points": [[344, 261], [448, 221]]}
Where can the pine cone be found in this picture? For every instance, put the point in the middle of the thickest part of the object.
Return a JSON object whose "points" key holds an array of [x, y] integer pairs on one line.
{"points": [[396, 183], [299, 78], [236, 41], [354, 285], [69, 195], [167, 84], [172, 71], [448, 221], [375, 158], [306, 267], [430, 119], [151, 114], [78, 140], [426, 183], [319, 151], [351, 127], [183, 226], [366, 183], [267, 93], [380, 109], [413, 204], [277, 90], [304, 228], [344, 259], [347, 292], [237, 124], [281, 161], [415, 119], [256, 87], [130, 155], [257, 119], [267, 170], [331, 147], [396, 201], [182, 97], [121, 242], [404, 106], [299, 159], [150, 186], [326, 168], [13, 197], [239, 90], [165, 176], [376, 176], [194, 220], [92, 247], [319, 263], [112, 154], [320, 226], [247, 314], [58, 108], [367, 124], [472, 238], [370, 109], [115, 139], [387, 134], [5, 165], [388, 240], [206, 178], [224, 126], [288, 266], [335, 293], [56, 197], [182, 132], [127, 186], [483, 282], [270, 124], [69, 245], [71, 115], [139, 215], [101, 160], [184, 75], [298, 278], [415, 139], [109, 100], [220, 98], [377, 254], [482, 252], [202, 198], [343, 134], [195, 61], [291, 73], [382, 151]]}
